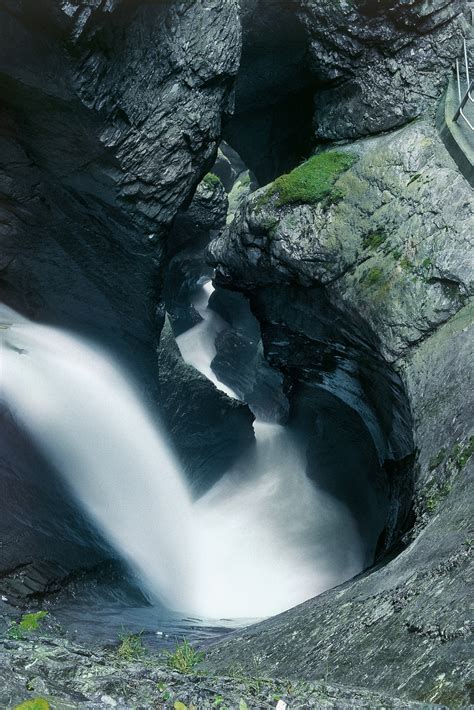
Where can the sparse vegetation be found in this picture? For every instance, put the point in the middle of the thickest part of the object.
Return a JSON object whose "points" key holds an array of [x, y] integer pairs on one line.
{"points": [[462, 454], [373, 240], [437, 460], [184, 658], [373, 276], [406, 264], [436, 493], [28, 623], [131, 647], [311, 182]]}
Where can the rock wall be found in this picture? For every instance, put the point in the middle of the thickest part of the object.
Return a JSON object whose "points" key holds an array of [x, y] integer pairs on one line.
{"points": [[378, 63], [387, 248], [272, 124]]}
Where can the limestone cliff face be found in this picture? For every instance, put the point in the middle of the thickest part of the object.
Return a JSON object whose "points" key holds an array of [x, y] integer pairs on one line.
{"points": [[387, 257]]}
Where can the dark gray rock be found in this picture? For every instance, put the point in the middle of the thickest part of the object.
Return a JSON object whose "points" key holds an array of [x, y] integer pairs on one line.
{"points": [[390, 266], [378, 63], [192, 230], [70, 676], [272, 125], [240, 362], [209, 430]]}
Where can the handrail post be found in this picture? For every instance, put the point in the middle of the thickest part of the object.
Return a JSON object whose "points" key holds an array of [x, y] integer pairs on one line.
{"points": [[458, 81], [468, 81]]}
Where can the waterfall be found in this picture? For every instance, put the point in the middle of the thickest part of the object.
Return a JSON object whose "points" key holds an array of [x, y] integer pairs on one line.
{"points": [[263, 539], [83, 413], [269, 539]]}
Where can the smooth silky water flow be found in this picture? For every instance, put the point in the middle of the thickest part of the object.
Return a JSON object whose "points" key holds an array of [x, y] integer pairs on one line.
{"points": [[263, 539]]}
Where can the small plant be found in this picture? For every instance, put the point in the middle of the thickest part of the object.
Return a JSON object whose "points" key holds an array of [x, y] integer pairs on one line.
{"points": [[131, 647], [462, 454], [27, 624], [436, 494], [373, 240], [165, 693], [373, 276], [35, 704], [184, 658], [406, 264]]}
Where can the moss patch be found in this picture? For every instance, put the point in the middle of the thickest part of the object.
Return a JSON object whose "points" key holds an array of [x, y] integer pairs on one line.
{"points": [[436, 493], [373, 276], [311, 182], [27, 624], [211, 180], [406, 264], [35, 704]]}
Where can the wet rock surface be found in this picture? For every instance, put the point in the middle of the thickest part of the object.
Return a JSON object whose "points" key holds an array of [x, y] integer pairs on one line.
{"points": [[210, 431], [69, 676], [379, 255], [111, 115]]}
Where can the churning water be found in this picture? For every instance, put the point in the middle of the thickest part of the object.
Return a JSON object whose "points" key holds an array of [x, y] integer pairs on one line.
{"points": [[263, 539]]}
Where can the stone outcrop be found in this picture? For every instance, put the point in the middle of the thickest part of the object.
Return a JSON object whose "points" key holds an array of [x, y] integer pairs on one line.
{"points": [[389, 250], [209, 429], [378, 64], [70, 675]]}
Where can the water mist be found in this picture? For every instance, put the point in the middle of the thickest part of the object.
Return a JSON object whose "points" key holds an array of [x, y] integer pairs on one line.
{"points": [[263, 539]]}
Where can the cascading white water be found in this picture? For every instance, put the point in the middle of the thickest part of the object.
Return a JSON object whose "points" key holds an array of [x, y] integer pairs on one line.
{"points": [[90, 422], [197, 345], [260, 541], [275, 538]]}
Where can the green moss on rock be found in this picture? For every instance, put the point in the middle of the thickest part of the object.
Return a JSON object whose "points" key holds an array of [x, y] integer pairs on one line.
{"points": [[436, 493], [373, 276], [311, 182], [34, 704], [211, 180]]}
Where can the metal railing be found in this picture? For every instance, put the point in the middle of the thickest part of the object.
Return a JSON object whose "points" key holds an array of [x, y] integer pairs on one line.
{"points": [[466, 96]]}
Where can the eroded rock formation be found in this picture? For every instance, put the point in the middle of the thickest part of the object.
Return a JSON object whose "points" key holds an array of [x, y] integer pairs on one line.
{"points": [[382, 261]]}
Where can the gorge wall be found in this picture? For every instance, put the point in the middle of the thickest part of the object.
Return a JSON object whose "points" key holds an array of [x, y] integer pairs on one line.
{"points": [[360, 281]]}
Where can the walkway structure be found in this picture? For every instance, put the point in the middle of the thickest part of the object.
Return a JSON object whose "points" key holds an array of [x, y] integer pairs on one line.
{"points": [[456, 117]]}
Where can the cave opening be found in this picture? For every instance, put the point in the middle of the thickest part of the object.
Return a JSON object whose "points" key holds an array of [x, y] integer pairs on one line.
{"points": [[271, 125]]}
